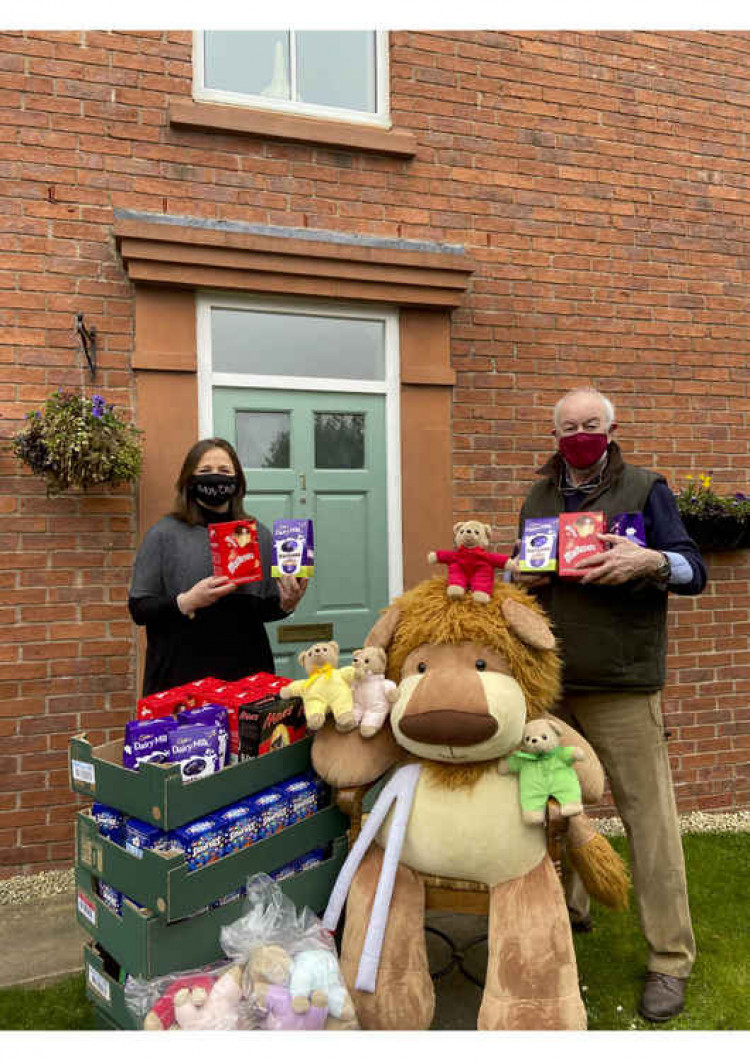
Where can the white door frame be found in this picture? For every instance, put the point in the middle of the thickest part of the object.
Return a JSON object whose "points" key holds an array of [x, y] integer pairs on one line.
{"points": [[390, 387]]}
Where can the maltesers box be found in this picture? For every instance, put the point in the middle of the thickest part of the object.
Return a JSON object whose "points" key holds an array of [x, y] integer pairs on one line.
{"points": [[293, 548], [538, 551], [235, 551], [160, 705], [579, 538], [262, 684], [179, 698]]}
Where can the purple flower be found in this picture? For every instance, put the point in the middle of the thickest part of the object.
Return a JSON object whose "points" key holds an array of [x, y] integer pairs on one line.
{"points": [[97, 406]]}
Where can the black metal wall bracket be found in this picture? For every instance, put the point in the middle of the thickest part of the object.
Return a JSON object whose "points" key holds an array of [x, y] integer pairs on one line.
{"points": [[88, 342]]}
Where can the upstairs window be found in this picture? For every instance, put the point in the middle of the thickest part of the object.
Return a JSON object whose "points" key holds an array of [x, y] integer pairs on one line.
{"points": [[339, 74]]}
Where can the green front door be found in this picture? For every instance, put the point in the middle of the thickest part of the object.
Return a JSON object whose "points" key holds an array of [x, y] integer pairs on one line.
{"points": [[322, 456]]}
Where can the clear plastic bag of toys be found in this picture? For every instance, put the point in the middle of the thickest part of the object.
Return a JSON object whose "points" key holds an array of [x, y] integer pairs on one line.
{"points": [[291, 980], [208, 999]]}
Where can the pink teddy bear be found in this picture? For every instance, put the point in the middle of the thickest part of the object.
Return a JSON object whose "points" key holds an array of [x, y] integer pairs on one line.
{"points": [[373, 693]]}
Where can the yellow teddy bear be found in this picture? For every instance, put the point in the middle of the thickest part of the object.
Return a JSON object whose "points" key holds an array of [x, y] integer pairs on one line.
{"points": [[325, 687]]}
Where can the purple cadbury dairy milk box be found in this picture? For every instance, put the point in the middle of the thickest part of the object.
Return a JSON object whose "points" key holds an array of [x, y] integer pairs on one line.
{"points": [[147, 741], [196, 749], [629, 525]]}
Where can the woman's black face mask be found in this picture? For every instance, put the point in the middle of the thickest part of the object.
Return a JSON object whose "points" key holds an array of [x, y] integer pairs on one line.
{"points": [[213, 489]]}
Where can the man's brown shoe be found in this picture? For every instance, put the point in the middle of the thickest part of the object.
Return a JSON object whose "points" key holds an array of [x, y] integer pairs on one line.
{"points": [[663, 997]]}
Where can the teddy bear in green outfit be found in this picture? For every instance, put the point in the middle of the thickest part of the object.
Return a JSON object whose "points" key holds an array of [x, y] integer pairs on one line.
{"points": [[544, 769]]}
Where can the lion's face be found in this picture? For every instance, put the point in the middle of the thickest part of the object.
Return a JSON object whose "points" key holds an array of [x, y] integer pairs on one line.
{"points": [[458, 703]]}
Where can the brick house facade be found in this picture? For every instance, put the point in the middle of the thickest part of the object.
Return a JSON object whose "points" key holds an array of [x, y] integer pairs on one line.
{"points": [[548, 210]]}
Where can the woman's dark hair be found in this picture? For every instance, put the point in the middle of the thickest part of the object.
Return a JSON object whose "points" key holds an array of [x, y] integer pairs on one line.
{"points": [[187, 508]]}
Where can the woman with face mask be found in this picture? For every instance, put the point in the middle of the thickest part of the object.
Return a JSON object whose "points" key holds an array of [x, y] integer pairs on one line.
{"points": [[198, 624]]}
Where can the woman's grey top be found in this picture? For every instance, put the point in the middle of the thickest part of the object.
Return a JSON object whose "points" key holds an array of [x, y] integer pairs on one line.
{"points": [[225, 640]]}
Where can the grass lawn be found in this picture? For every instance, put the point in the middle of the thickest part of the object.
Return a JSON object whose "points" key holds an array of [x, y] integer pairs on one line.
{"points": [[61, 1007], [611, 959]]}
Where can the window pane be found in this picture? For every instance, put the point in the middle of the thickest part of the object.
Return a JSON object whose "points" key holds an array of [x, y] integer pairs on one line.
{"points": [[297, 344], [263, 439], [339, 440], [254, 62], [337, 68]]}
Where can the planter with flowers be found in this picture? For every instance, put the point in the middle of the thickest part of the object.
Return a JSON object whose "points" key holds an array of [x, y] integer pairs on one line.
{"points": [[714, 522], [78, 442]]}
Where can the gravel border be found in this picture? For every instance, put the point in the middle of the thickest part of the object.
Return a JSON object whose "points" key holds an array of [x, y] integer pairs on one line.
{"points": [[32, 888], [696, 821]]}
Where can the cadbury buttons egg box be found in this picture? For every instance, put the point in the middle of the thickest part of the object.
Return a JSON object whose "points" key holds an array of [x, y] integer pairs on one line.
{"points": [[293, 548]]}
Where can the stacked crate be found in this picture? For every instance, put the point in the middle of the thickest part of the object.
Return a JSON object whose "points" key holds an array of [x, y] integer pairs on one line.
{"points": [[168, 928]]}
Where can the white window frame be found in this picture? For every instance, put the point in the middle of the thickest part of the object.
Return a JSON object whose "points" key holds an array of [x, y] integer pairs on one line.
{"points": [[390, 386], [381, 117]]}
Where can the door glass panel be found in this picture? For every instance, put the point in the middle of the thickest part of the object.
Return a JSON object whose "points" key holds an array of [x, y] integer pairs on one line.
{"points": [[336, 68], [252, 62], [339, 440], [263, 439], [297, 344]]}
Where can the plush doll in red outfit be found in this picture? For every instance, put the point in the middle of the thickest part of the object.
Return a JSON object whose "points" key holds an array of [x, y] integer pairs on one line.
{"points": [[470, 566]]}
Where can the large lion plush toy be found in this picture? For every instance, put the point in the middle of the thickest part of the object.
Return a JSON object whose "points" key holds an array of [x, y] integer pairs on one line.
{"points": [[468, 680]]}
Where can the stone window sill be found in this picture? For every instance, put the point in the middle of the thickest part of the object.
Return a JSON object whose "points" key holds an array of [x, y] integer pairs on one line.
{"points": [[216, 117]]}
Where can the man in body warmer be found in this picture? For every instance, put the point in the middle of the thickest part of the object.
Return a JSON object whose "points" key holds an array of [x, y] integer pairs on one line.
{"points": [[611, 624]]}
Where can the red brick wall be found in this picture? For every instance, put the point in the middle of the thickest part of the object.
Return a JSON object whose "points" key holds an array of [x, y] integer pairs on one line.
{"points": [[600, 181]]}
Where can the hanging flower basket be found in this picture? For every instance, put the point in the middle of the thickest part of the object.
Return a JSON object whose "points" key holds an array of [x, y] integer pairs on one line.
{"points": [[79, 442], [716, 535], [715, 523]]}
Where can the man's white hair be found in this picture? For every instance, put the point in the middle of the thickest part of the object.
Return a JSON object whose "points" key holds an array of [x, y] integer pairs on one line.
{"points": [[609, 409]]}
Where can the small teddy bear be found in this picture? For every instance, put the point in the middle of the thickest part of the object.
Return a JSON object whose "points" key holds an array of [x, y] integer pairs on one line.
{"points": [[216, 1011], [324, 688], [161, 1016], [266, 982], [315, 971], [373, 692], [470, 566], [268, 963], [544, 769]]}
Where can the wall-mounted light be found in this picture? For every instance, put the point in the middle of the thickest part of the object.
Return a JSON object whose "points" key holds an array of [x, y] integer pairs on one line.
{"points": [[88, 342]]}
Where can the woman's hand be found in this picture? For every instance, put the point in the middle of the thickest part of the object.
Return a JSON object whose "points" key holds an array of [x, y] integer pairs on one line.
{"points": [[204, 593], [291, 591]]}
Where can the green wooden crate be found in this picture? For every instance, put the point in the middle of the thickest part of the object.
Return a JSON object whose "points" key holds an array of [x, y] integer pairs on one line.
{"points": [[148, 946], [162, 882], [156, 793], [104, 1023], [107, 995]]}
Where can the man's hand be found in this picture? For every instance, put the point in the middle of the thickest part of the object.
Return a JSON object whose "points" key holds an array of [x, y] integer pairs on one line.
{"points": [[523, 578], [624, 561], [291, 591]]}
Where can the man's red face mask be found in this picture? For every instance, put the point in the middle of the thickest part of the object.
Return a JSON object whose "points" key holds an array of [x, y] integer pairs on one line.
{"points": [[583, 449]]}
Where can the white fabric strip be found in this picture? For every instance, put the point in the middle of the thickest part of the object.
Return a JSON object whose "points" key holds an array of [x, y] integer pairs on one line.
{"points": [[400, 788]]}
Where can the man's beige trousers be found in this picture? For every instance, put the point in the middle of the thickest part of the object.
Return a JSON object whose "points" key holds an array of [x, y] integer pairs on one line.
{"points": [[627, 733]]}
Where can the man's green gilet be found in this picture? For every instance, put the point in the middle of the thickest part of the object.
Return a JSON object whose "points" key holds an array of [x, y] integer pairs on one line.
{"points": [[612, 637]]}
